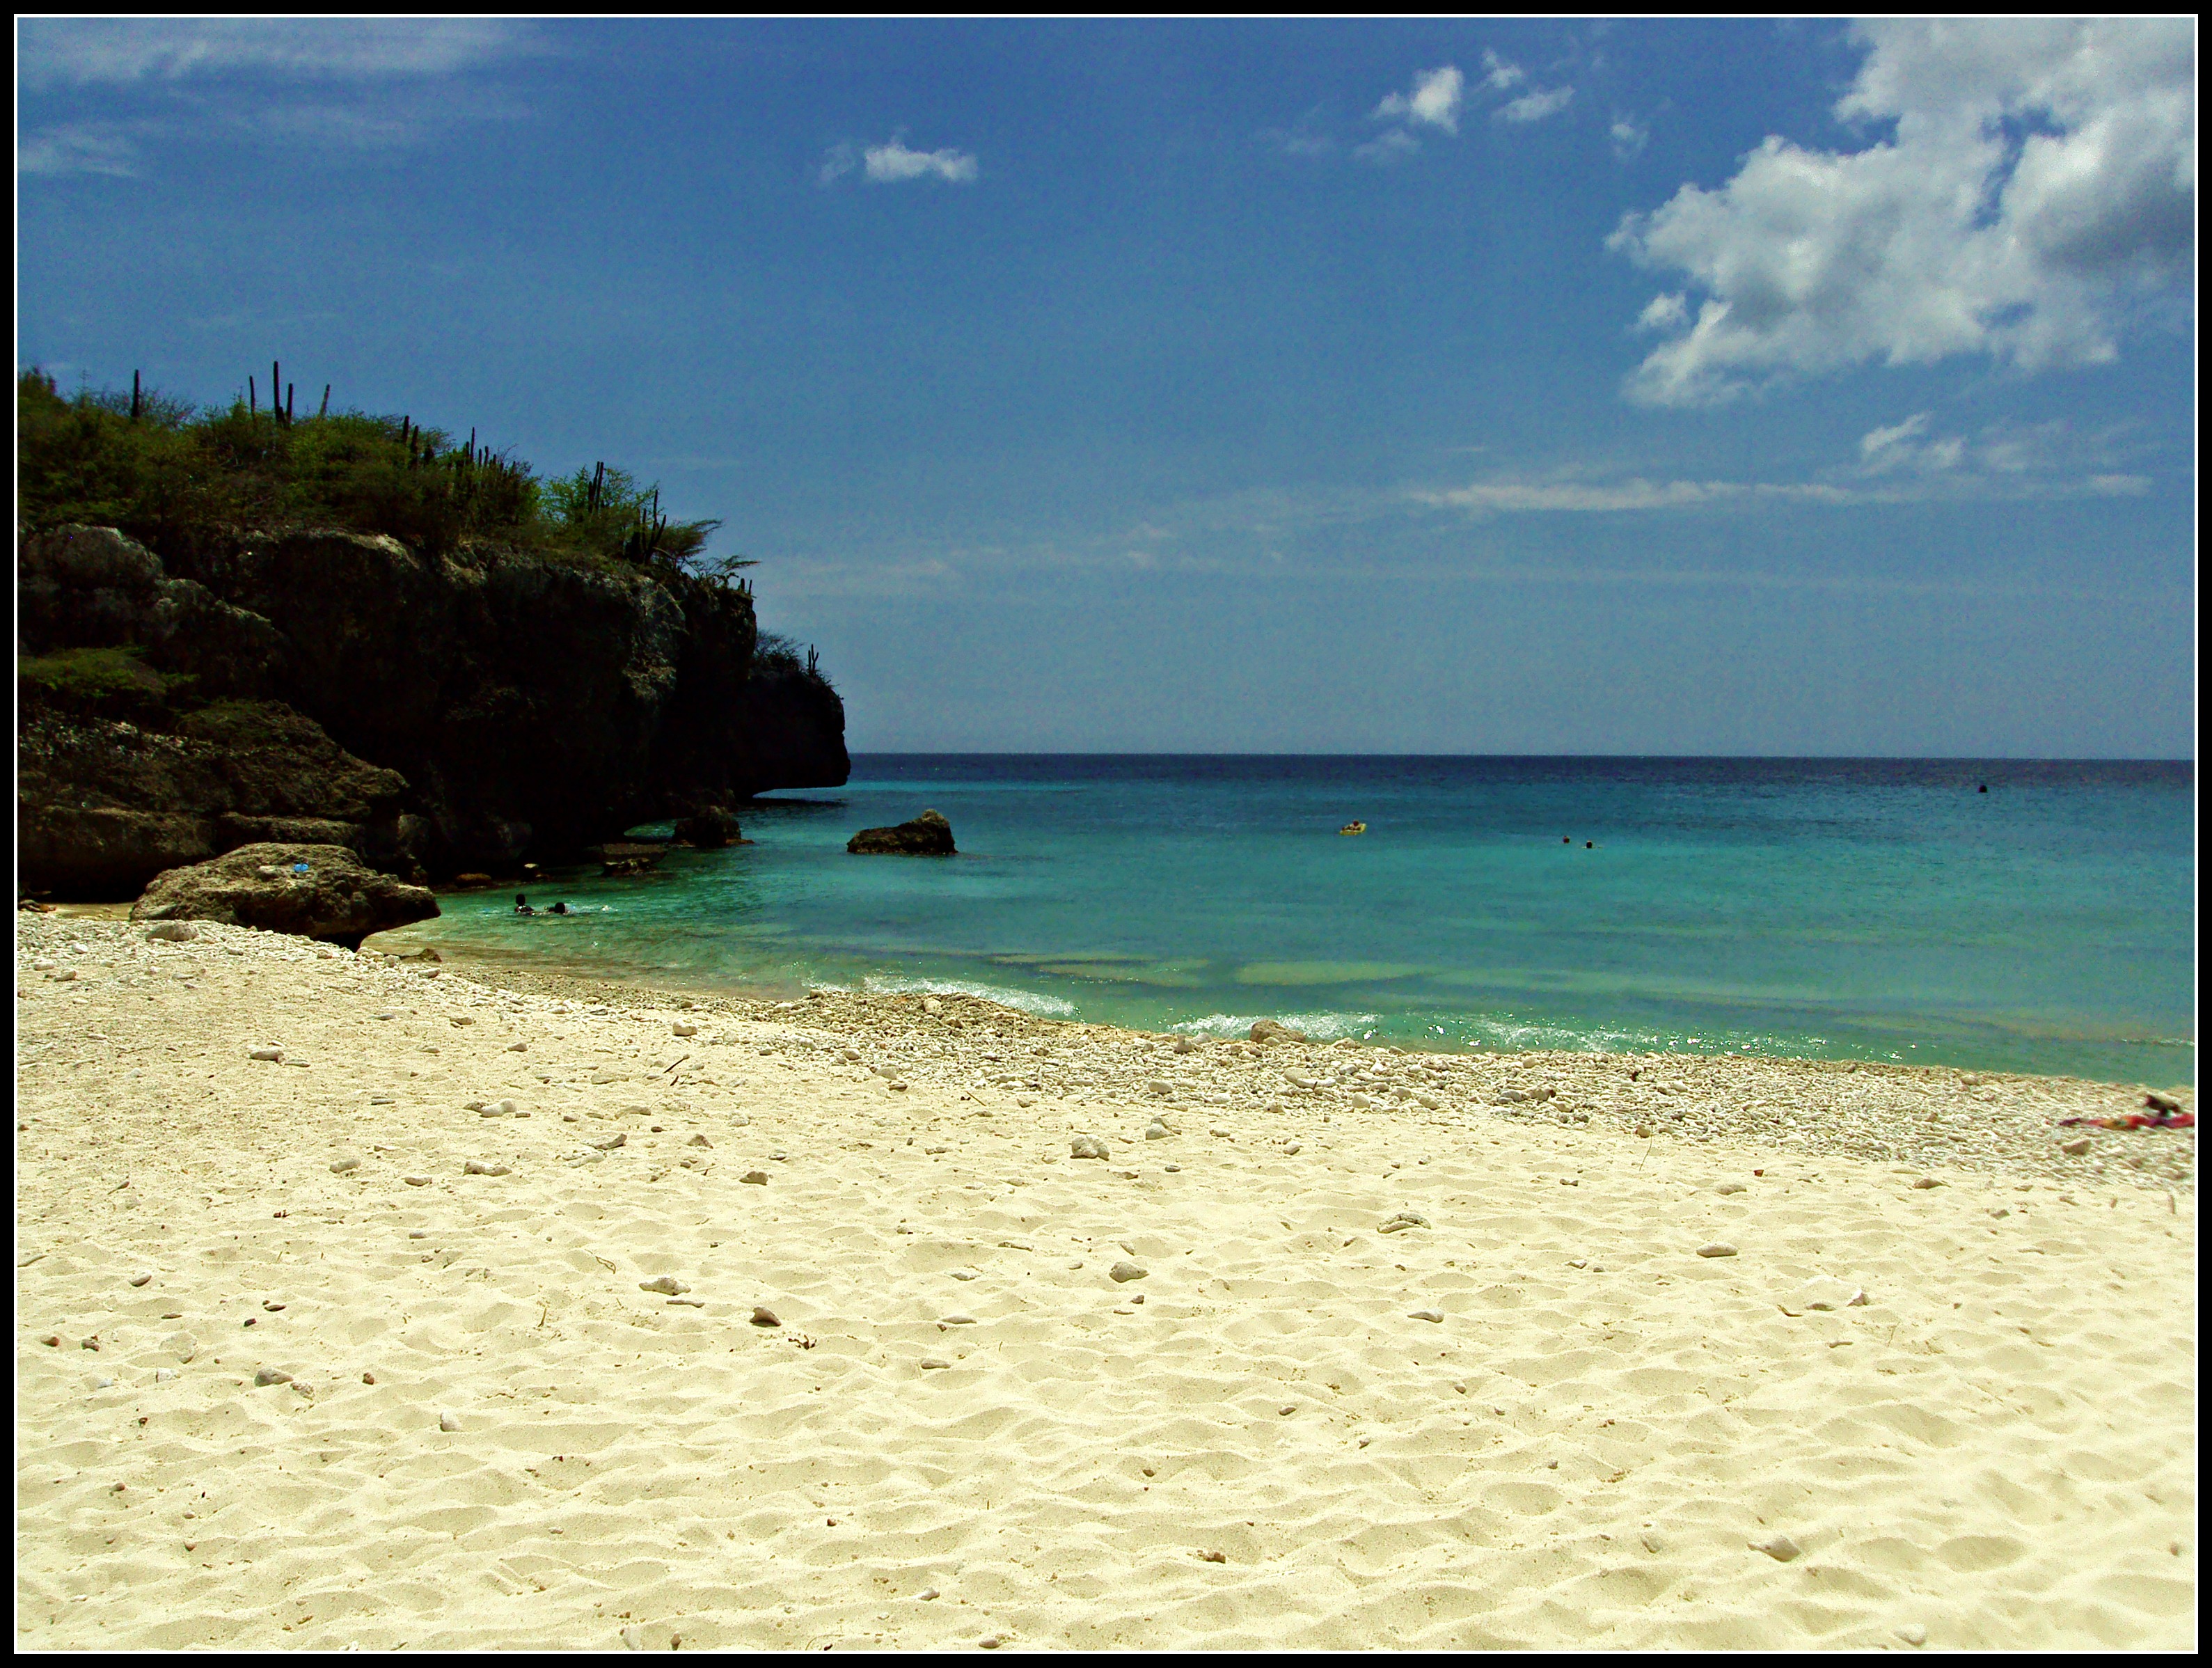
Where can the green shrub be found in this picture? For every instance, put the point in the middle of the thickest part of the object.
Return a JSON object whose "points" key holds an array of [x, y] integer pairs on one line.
{"points": [[111, 683], [175, 478]]}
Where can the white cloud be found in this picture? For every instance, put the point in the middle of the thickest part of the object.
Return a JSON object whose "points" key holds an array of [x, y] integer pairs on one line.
{"points": [[82, 51], [1534, 106], [1388, 147], [1498, 75], [1632, 494], [79, 148], [1904, 446], [889, 164], [1629, 137], [1898, 463], [1664, 313], [2041, 172], [1434, 101]]}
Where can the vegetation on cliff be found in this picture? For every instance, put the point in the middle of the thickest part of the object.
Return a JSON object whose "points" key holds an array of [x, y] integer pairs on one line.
{"points": [[172, 476]]}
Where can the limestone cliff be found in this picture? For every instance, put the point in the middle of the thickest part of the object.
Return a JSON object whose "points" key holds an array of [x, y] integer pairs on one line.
{"points": [[509, 704]]}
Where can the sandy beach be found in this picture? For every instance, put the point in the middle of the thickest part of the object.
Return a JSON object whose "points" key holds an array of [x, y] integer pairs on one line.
{"points": [[447, 1330]]}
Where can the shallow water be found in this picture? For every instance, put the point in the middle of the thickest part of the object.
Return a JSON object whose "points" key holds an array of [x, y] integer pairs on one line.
{"points": [[1862, 909]]}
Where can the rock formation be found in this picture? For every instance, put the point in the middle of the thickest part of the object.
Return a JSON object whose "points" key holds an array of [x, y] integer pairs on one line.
{"points": [[927, 836], [315, 890], [507, 702]]}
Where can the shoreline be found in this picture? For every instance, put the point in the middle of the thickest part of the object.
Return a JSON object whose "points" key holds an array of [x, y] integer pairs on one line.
{"points": [[445, 1337]]}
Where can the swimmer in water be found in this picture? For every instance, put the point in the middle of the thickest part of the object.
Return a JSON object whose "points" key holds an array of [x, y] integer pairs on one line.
{"points": [[522, 905], [560, 908]]}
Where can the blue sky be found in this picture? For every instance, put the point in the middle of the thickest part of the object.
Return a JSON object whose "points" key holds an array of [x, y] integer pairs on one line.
{"points": [[1244, 387]]}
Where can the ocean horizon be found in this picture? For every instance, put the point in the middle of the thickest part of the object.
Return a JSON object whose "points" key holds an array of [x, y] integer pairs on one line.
{"points": [[1885, 909]]}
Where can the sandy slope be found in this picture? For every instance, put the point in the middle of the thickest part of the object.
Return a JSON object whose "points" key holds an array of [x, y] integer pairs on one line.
{"points": [[1997, 1450]]}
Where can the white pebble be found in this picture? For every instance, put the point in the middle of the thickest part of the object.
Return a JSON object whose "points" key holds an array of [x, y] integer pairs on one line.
{"points": [[276, 1054], [447, 1421]]}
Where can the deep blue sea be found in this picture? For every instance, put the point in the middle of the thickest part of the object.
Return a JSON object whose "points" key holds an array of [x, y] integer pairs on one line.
{"points": [[1872, 910]]}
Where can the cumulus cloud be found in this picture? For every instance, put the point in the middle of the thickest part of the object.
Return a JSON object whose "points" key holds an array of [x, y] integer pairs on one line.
{"points": [[2040, 172], [88, 51], [1629, 137], [1434, 101], [1534, 105]]}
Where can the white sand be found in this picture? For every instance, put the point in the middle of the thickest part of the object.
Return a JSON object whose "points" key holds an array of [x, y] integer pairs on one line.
{"points": [[1997, 1451]]}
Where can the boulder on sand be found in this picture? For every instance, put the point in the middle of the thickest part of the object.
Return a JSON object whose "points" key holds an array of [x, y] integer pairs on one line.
{"points": [[335, 896], [927, 835]]}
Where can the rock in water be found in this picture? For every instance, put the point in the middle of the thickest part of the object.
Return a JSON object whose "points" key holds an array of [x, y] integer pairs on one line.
{"points": [[711, 828], [1269, 1031], [927, 836], [318, 891]]}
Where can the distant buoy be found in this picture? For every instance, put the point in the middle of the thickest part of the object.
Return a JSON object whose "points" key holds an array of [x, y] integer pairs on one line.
{"points": [[1353, 828], [1566, 839], [1590, 845], [1983, 788]]}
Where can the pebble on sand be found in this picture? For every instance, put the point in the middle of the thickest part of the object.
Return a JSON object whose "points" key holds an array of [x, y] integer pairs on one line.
{"points": [[1781, 1548], [1913, 1634], [416, 1181], [276, 1054], [931, 1364], [339, 1166], [757, 1177], [1156, 1131], [957, 1320], [765, 1317], [1401, 1221], [1425, 1314], [666, 1284], [141, 1277], [1926, 1182], [447, 1421], [272, 1375], [1718, 1248], [1823, 1291], [479, 1167], [1125, 1271], [1086, 1146]]}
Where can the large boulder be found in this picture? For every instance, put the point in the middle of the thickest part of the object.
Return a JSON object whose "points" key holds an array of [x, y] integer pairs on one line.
{"points": [[927, 835], [709, 829], [314, 891], [103, 804]]}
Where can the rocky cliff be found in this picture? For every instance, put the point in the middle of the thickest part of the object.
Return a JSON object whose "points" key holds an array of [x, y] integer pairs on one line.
{"points": [[450, 713]]}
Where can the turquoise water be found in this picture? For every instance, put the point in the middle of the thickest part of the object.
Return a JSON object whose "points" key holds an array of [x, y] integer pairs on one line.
{"points": [[1861, 910]]}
